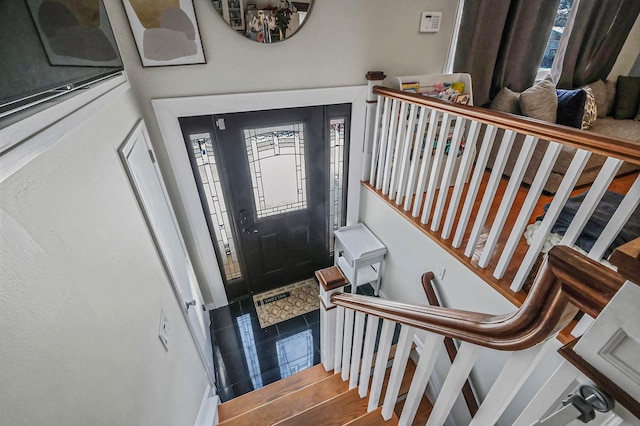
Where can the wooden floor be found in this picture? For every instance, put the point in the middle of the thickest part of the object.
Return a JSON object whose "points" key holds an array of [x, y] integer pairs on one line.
{"points": [[620, 184]]}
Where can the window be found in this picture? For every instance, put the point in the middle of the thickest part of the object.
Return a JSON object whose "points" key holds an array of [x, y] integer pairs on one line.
{"points": [[559, 27]]}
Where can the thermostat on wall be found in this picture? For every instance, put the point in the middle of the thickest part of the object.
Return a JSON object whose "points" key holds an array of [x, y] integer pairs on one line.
{"points": [[430, 22]]}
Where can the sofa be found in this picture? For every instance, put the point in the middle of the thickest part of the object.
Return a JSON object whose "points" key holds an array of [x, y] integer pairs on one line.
{"points": [[593, 108]]}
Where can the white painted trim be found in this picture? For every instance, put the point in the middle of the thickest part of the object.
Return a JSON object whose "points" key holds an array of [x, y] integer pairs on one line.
{"points": [[451, 55], [168, 111], [24, 140], [208, 414]]}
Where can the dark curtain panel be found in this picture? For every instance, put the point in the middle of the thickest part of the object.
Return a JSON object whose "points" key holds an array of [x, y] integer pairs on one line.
{"points": [[598, 34], [501, 43]]}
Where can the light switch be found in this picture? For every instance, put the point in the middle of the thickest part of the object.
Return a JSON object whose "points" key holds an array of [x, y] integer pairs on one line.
{"points": [[163, 332], [440, 270]]}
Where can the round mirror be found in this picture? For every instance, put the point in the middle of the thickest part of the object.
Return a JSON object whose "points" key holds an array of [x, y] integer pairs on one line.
{"points": [[264, 21]]}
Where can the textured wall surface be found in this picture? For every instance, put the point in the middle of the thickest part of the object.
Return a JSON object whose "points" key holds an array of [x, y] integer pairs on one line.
{"points": [[81, 290]]}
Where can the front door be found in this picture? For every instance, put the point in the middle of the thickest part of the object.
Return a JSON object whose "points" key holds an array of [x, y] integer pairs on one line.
{"points": [[273, 169]]}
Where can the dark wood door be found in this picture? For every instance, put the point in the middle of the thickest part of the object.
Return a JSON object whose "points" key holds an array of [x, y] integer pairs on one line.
{"points": [[273, 169], [276, 165]]}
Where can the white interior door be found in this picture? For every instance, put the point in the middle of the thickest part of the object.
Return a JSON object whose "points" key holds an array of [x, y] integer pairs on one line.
{"points": [[146, 180]]}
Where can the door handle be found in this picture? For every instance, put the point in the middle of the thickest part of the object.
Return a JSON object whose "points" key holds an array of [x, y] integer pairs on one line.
{"points": [[190, 303], [250, 230]]}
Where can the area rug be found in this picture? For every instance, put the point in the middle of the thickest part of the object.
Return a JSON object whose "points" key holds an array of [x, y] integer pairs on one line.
{"points": [[287, 302]]}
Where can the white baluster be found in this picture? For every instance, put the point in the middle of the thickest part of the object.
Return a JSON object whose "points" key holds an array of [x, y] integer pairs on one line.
{"points": [[356, 353], [390, 145], [403, 165], [430, 351], [529, 204], [337, 368], [618, 220], [397, 370], [472, 193], [386, 116], [465, 166], [397, 150], [508, 198], [425, 149], [346, 342], [564, 190], [382, 356], [560, 384], [415, 157], [511, 378], [445, 126], [591, 200], [458, 374], [367, 359], [448, 172], [490, 191], [375, 144]]}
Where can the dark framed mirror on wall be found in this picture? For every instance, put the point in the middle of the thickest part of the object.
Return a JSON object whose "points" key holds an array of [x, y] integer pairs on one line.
{"points": [[264, 21]]}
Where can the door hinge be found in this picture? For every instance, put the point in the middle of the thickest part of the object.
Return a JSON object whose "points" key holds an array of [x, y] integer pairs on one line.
{"points": [[220, 123], [153, 157]]}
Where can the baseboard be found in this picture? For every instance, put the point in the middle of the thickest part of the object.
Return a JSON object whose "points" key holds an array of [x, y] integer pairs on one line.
{"points": [[208, 414]]}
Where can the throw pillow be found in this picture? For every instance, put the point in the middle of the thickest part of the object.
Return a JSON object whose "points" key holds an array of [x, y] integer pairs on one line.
{"points": [[571, 107], [627, 97], [599, 90], [540, 101], [506, 101], [590, 109]]}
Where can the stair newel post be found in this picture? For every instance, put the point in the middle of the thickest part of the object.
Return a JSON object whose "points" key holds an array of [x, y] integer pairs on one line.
{"points": [[331, 281], [374, 78]]}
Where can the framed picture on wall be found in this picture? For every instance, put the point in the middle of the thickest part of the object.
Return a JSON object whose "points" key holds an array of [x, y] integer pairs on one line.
{"points": [[165, 32], [75, 33]]}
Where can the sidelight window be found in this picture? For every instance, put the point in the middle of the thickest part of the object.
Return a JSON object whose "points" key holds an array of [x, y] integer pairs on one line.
{"points": [[209, 173]]}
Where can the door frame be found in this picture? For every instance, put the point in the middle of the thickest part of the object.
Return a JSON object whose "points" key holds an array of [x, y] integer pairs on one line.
{"points": [[184, 291], [176, 162]]}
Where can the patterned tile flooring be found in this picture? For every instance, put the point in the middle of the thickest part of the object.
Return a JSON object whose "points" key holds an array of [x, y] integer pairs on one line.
{"points": [[248, 357]]}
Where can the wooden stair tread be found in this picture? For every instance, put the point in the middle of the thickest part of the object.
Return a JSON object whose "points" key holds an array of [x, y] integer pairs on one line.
{"points": [[374, 418], [422, 415], [271, 392], [283, 408], [338, 410]]}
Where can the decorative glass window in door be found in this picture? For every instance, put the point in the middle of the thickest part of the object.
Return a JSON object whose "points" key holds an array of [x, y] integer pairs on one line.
{"points": [[210, 177], [277, 166], [336, 176]]}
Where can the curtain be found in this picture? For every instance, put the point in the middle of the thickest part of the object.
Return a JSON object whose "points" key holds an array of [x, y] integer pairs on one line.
{"points": [[598, 34], [501, 43]]}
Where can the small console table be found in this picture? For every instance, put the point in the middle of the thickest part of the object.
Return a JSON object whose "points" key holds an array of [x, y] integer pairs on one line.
{"points": [[360, 255]]}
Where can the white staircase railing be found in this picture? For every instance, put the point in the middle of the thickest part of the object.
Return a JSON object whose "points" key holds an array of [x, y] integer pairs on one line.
{"points": [[350, 328], [480, 212]]}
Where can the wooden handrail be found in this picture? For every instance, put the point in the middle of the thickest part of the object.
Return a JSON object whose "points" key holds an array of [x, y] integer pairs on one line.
{"points": [[568, 282], [623, 149]]}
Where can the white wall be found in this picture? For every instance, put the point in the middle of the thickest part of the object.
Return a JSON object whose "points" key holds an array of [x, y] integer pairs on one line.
{"points": [[629, 53], [81, 290], [340, 42]]}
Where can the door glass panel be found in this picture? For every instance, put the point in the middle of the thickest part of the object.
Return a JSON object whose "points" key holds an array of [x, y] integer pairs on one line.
{"points": [[277, 166], [209, 175], [336, 144]]}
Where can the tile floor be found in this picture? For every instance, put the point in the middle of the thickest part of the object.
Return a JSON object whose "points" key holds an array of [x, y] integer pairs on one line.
{"points": [[247, 357]]}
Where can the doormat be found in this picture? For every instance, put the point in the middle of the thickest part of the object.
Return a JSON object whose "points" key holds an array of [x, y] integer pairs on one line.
{"points": [[287, 302]]}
